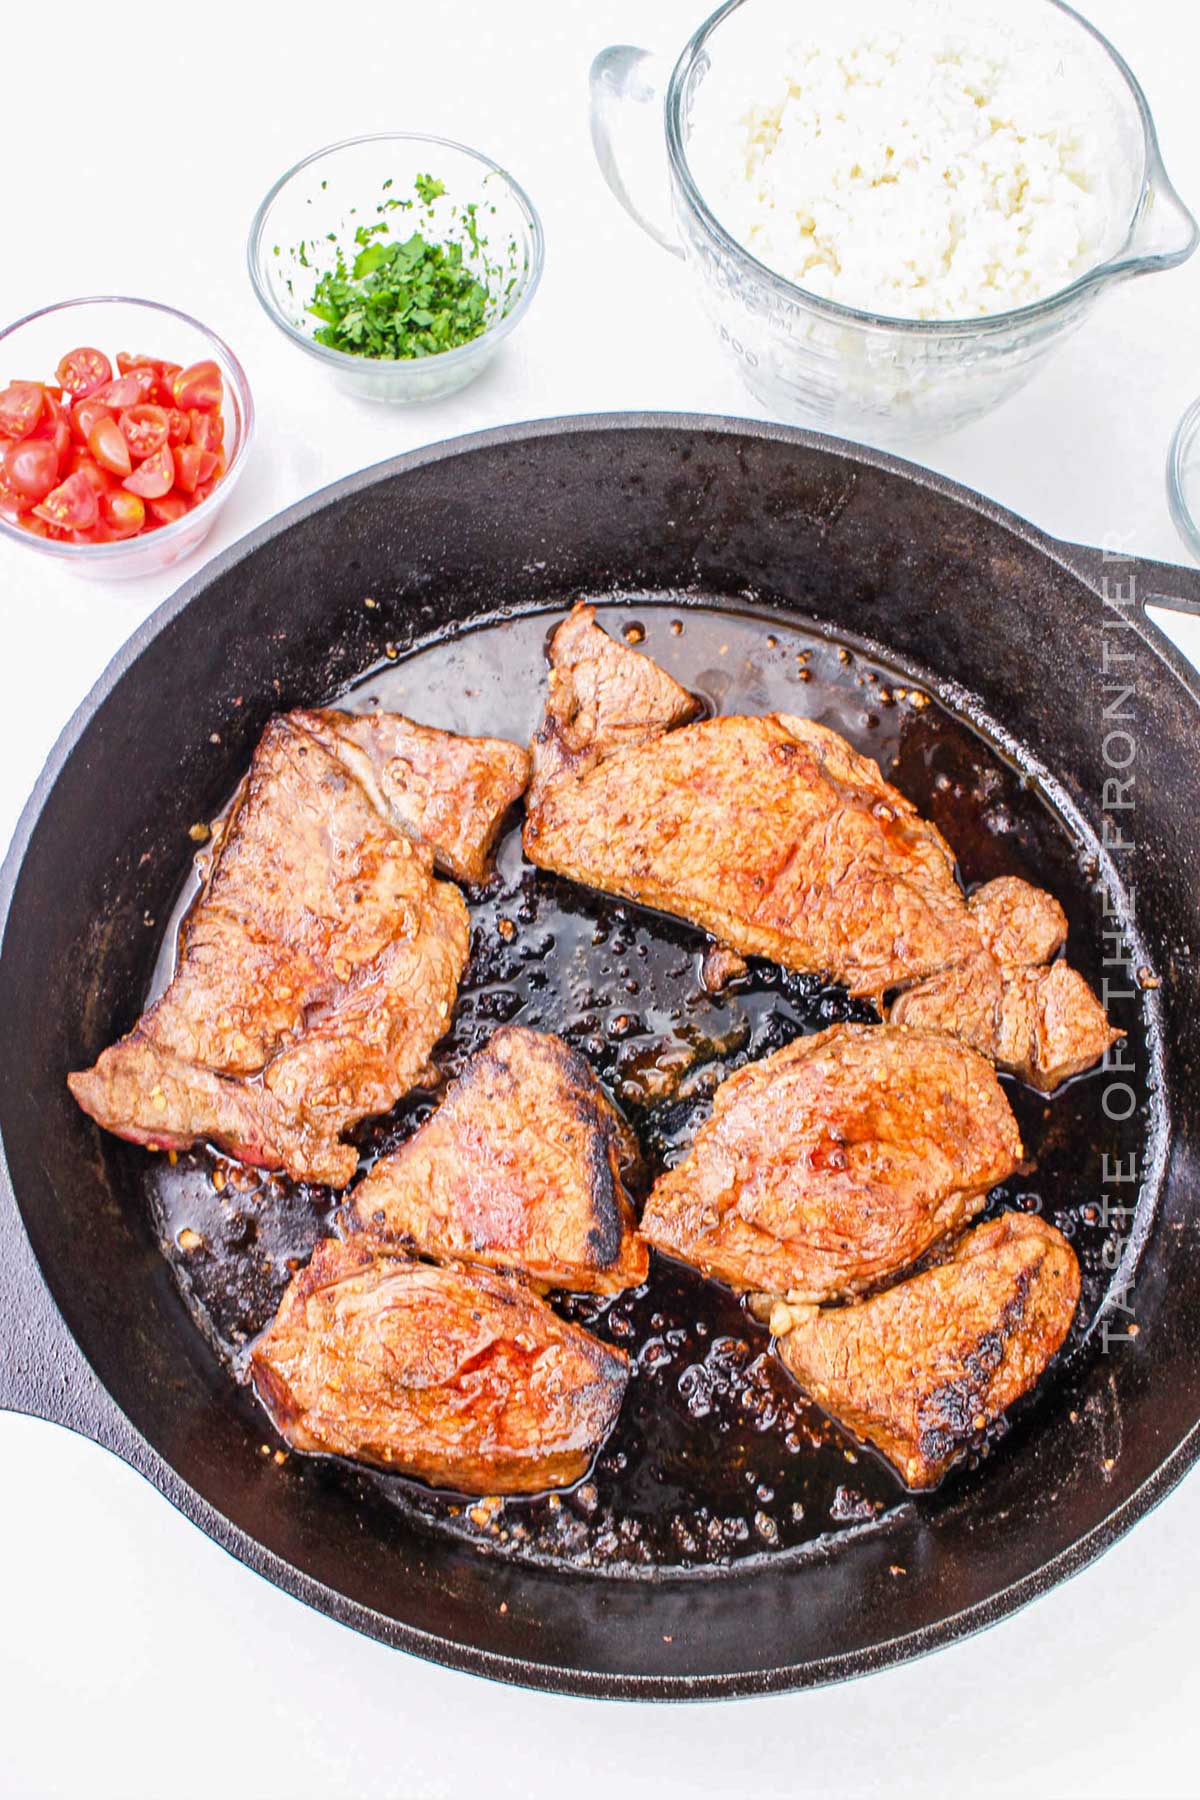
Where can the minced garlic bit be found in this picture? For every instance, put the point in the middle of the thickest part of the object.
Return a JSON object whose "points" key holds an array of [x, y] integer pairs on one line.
{"points": [[915, 162]]}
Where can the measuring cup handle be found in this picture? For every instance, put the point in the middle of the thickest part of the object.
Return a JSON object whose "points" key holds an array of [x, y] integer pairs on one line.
{"points": [[624, 80]]}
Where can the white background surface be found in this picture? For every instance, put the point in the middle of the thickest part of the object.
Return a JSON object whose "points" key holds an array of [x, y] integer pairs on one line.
{"points": [[135, 1657]]}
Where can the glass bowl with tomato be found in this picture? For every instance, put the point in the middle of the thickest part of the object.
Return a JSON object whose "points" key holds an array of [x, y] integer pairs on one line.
{"points": [[124, 427], [399, 262]]}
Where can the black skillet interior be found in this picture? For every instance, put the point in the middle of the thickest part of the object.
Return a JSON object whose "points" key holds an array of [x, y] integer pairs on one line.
{"points": [[847, 543]]}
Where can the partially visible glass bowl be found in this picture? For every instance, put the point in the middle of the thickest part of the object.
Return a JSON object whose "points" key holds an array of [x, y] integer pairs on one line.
{"points": [[316, 206], [31, 349], [1183, 478], [814, 361]]}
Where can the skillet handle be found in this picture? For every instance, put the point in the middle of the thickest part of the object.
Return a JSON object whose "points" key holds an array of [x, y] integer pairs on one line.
{"points": [[42, 1370], [1154, 583]]}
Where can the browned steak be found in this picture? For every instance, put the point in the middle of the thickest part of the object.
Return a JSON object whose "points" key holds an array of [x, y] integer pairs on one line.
{"points": [[774, 835], [836, 1162], [315, 973], [1028, 1013], [460, 1377], [520, 1167], [451, 792], [769, 832], [602, 698], [921, 1370]]}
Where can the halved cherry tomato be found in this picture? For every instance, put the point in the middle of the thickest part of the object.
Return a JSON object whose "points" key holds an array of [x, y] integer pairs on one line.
{"points": [[179, 425], [82, 371], [192, 466], [207, 430], [124, 514], [168, 509], [125, 391], [127, 361], [147, 379], [52, 411], [200, 386], [11, 503], [166, 383], [106, 441], [145, 428], [154, 477], [74, 504], [21, 408], [52, 427], [156, 375], [84, 414], [31, 468], [79, 461]]}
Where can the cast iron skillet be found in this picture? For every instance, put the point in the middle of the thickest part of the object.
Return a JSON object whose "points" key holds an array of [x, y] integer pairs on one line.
{"points": [[93, 1333]]}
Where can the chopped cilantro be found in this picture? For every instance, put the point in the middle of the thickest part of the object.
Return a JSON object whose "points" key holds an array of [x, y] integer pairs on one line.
{"points": [[401, 298]]}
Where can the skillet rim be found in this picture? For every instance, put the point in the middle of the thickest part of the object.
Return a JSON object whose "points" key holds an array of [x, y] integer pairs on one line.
{"points": [[96, 1415]]}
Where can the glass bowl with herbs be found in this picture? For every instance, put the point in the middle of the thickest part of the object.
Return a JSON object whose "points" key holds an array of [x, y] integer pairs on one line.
{"points": [[400, 262]]}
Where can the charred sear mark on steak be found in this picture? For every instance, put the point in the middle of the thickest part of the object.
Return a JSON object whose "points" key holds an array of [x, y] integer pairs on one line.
{"points": [[316, 970], [778, 838], [520, 1167], [837, 1162], [949, 1418], [922, 1370], [457, 1376]]}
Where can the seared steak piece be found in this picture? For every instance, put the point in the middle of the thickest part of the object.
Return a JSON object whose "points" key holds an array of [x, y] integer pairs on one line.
{"points": [[315, 972], [457, 1376], [602, 698], [836, 1162], [771, 833], [1036, 1017], [450, 792], [921, 1370], [774, 835], [520, 1167]]}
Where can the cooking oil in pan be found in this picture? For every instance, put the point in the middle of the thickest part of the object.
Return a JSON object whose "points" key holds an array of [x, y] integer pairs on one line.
{"points": [[717, 1456]]}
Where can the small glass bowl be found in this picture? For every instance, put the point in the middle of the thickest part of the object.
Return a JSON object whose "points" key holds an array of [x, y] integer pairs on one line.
{"points": [[31, 349], [1183, 478], [315, 207]]}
